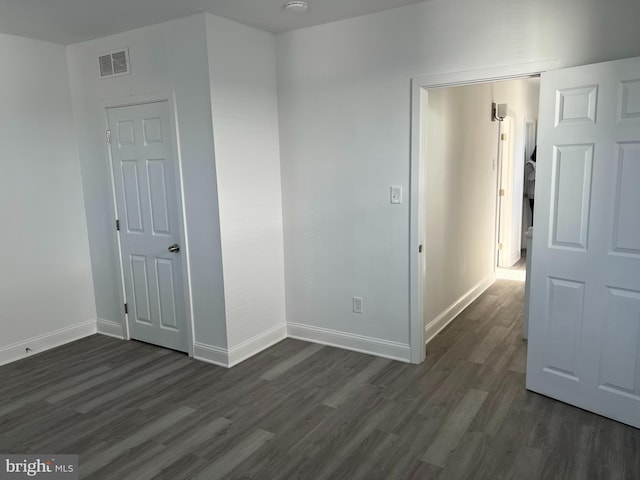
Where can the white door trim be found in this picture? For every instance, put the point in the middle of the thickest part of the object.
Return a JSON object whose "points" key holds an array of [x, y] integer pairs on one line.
{"points": [[419, 97], [141, 99]]}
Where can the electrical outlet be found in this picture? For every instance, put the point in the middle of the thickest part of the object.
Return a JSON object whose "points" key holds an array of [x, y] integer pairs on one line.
{"points": [[396, 195], [357, 304]]}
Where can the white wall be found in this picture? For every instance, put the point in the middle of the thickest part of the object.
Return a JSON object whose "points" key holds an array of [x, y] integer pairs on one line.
{"points": [[168, 56], [344, 103], [242, 71], [45, 279], [227, 113], [460, 200]]}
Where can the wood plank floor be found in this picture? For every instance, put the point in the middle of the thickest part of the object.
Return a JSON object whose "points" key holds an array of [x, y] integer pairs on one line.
{"points": [[299, 410]]}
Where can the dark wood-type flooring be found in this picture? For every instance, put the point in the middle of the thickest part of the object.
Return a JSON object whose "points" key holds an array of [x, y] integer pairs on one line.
{"points": [[299, 410]]}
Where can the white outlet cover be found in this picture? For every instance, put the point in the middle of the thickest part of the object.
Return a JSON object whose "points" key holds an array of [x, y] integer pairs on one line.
{"points": [[357, 304], [396, 195]]}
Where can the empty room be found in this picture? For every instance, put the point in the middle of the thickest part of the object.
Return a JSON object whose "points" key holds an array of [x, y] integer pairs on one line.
{"points": [[234, 247]]}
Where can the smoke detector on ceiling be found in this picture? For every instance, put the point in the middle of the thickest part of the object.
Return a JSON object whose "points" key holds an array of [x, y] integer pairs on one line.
{"points": [[296, 6]]}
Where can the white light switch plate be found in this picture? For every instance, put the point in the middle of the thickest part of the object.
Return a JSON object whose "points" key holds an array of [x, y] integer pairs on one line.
{"points": [[396, 195]]}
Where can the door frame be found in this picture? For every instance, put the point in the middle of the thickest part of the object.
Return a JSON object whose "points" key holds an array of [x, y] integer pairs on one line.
{"points": [[142, 99], [499, 219], [419, 100]]}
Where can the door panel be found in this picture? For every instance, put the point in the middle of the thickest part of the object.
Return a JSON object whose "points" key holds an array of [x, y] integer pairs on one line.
{"points": [[131, 192], [584, 317], [576, 105], [626, 227], [140, 289], [621, 343], [166, 294], [571, 187], [565, 325], [158, 196], [147, 197], [630, 100]]}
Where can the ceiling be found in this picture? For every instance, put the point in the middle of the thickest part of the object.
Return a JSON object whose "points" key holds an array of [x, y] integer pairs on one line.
{"points": [[71, 21]]}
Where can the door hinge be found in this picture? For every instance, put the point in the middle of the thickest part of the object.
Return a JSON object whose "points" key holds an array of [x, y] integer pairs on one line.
{"points": [[500, 246], [126, 308], [501, 192], [503, 136], [118, 225], [419, 248], [108, 136]]}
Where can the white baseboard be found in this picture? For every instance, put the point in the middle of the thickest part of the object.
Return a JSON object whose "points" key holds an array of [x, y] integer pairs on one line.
{"points": [[350, 341], [228, 357], [210, 354], [256, 344], [111, 329], [516, 255], [437, 324], [41, 343], [510, 259]]}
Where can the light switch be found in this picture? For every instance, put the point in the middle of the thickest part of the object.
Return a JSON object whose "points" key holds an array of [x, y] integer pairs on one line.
{"points": [[396, 195]]}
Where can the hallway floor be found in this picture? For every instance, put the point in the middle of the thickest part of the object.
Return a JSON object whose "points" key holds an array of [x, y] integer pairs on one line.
{"points": [[306, 411], [516, 273]]}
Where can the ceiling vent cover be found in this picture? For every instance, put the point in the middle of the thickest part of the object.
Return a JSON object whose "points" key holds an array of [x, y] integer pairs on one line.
{"points": [[114, 64]]}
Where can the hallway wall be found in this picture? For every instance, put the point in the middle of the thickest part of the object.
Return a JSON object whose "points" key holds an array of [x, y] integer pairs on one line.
{"points": [[460, 200]]}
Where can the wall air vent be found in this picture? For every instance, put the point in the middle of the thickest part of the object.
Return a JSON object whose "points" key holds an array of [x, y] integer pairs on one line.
{"points": [[114, 64]]}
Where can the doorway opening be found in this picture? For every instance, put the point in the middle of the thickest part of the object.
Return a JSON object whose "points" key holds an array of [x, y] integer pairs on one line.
{"points": [[474, 184], [477, 188], [582, 346]]}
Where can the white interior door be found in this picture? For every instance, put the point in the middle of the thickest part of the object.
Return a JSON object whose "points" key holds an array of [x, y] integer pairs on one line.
{"points": [[145, 174], [584, 323], [505, 193]]}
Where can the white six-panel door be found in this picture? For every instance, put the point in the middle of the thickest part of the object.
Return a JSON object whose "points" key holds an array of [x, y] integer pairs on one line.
{"points": [[145, 171], [584, 323]]}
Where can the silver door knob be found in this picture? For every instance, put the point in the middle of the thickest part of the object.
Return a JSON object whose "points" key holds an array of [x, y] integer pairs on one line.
{"points": [[174, 248]]}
